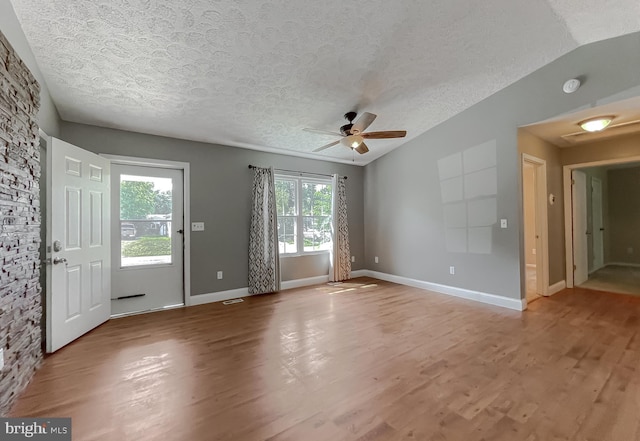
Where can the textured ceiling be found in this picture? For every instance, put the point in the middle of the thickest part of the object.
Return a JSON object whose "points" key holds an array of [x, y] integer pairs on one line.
{"points": [[254, 74]]}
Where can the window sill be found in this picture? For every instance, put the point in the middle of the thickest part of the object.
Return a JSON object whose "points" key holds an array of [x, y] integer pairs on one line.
{"points": [[308, 253]]}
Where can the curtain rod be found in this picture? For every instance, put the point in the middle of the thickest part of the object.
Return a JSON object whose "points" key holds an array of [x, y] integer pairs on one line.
{"points": [[296, 171]]}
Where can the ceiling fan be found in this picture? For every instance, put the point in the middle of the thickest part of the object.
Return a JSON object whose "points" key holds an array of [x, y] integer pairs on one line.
{"points": [[353, 134]]}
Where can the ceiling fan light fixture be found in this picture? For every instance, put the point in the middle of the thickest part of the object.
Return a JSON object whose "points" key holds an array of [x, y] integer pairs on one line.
{"points": [[596, 124], [352, 141]]}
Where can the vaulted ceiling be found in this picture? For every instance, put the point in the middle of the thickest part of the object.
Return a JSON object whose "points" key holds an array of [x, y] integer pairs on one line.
{"points": [[253, 74]]}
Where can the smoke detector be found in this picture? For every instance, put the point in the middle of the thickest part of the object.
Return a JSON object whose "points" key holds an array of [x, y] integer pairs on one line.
{"points": [[571, 85]]}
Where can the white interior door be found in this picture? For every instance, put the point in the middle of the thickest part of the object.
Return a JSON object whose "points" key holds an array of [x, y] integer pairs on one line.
{"points": [[79, 279], [579, 206], [147, 238], [598, 225]]}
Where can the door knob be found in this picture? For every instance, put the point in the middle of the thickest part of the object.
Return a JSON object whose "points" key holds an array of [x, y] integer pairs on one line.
{"points": [[58, 260]]}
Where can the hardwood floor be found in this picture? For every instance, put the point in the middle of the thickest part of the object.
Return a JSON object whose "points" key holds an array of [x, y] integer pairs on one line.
{"points": [[366, 360]]}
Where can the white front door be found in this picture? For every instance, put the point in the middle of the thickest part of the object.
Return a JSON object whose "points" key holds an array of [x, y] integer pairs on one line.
{"points": [[147, 238], [79, 276], [598, 226], [580, 250]]}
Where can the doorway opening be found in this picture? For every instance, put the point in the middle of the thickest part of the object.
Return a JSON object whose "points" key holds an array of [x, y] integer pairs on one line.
{"points": [[603, 220], [149, 259], [534, 192]]}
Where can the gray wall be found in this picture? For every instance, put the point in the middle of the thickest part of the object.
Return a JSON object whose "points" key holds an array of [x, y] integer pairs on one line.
{"points": [[624, 215], [221, 197], [403, 202]]}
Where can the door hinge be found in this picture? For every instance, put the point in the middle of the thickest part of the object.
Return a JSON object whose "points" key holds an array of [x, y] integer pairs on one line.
{"points": [[573, 182], [575, 267]]}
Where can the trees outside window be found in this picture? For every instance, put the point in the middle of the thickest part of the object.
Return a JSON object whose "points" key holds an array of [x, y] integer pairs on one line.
{"points": [[304, 214]]}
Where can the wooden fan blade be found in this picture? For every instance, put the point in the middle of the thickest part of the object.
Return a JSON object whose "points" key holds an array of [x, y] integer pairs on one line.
{"points": [[319, 149], [322, 132], [385, 135], [363, 122], [362, 148]]}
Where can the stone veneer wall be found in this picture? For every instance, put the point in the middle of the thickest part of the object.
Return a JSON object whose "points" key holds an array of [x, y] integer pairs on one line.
{"points": [[20, 305]]}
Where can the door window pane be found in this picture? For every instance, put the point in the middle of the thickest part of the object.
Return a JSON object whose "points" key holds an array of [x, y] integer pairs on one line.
{"points": [[145, 220]]}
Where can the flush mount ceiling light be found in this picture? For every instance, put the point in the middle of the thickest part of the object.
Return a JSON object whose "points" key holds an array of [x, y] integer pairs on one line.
{"points": [[352, 141], [596, 124]]}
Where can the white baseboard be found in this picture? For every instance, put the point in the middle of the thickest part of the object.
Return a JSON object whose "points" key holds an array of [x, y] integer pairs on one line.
{"points": [[201, 299], [492, 299], [221, 296], [556, 288], [304, 282], [359, 273], [632, 265]]}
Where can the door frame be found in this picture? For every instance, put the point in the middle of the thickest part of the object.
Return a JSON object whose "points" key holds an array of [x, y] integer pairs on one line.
{"points": [[580, 229], [177, 165], [46, 223], [595, 267], [542, 255], [568, 212]]}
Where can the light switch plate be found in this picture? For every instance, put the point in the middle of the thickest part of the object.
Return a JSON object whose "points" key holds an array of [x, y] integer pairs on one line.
{"points": [[219, 275], [503, 223], [197, 226]]}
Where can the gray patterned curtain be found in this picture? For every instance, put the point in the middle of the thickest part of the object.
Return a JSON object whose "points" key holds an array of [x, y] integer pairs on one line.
{"points": [[340, 262], [264, 258]]}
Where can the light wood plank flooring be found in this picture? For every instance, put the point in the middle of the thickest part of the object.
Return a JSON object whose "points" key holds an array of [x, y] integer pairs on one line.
{"points": [[366, 360]]}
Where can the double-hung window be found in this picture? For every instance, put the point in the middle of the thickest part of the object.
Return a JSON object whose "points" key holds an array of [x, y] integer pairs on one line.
{"points": [[304, 214]]}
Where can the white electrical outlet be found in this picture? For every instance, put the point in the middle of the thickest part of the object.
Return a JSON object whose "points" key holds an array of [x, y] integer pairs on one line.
{"points": [[197, 226], [219, 275], [503, 223], [1, 359], [376, 259], [353, 258], [452, 270]]}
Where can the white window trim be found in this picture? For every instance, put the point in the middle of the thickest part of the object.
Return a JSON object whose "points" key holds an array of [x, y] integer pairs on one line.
{"points": [[299, 178]]}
